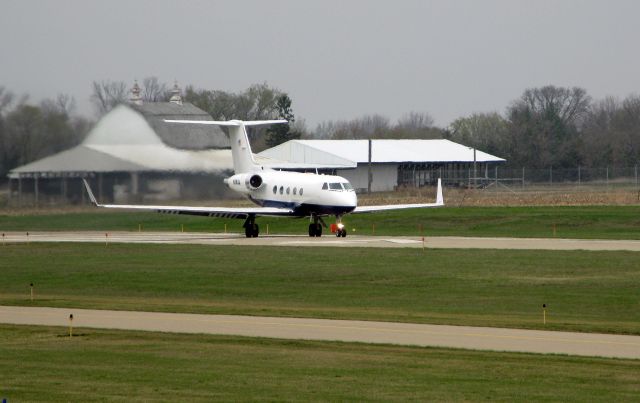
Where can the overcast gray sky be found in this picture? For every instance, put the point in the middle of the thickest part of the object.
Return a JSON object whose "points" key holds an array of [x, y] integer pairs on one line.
{"points": [[336, 59]]}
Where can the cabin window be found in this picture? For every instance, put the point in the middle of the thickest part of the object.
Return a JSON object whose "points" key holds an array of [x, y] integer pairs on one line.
{"points": [[275, 189], [281, 189], [325, 186], [347, 186], [301, 191], [335, 186], [288, 190], [295, 190]]}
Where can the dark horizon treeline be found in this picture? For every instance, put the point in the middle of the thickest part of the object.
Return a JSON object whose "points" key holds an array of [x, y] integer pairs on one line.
{"points": [[29, 132], [546, 127], [549, 126]]}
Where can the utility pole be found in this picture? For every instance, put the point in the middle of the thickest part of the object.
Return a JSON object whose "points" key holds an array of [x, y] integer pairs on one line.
{"points": [[475, 174], [370, 176]]}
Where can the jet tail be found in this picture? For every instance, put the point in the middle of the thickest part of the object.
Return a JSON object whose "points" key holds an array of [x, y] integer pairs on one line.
{"points": [[240, 148]]}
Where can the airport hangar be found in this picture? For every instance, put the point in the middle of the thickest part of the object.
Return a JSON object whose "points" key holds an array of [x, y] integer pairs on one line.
{"points": [[392, 163], [133, 155]]}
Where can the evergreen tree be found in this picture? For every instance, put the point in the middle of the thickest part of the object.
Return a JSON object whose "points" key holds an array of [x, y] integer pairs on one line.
{"points": [[281, 133]]}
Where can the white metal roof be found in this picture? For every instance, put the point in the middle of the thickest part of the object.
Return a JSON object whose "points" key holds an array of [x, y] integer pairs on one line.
{"points": [[383, 151]]}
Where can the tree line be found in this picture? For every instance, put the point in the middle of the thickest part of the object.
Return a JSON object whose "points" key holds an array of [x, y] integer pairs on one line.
{"points": [[557, 127], [30, 131], [546, 127], [560, 127]]}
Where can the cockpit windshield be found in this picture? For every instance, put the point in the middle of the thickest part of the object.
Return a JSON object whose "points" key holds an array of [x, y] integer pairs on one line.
{"points": [[347, 186], [335, 186]]}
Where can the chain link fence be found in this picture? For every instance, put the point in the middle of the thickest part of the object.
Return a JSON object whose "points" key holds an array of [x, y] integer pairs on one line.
{"points": [[500, 177]]}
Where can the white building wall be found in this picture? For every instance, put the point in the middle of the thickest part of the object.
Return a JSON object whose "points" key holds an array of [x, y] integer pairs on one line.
{"points": [[385, 177]]}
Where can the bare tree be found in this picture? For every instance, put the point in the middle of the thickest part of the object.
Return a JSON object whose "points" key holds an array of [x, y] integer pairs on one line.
{"points": [[62, 104], [544, 126], [567, 104], [415, 121], [413, 125], [153, 90], [108, 94], [6, 98], [257, 102], [486, 131]]}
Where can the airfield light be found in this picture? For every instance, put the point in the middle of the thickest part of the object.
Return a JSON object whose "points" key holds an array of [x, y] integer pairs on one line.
{"points": [[71, 325], [544, 314], [31, 290]]}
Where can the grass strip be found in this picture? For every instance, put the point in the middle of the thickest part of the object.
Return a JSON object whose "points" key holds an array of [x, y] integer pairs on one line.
{"points": [[43, 364], [588, 222], [584, 291]]}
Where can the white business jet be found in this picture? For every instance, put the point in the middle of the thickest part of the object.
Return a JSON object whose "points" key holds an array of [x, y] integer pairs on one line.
{"points": [[277, 193]]}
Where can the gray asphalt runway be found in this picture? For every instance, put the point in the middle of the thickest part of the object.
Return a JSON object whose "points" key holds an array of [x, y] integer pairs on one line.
{"points": [[496, 339], [350, 241]]}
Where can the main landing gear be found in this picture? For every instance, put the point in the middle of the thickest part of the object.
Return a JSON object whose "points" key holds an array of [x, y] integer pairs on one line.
{"points": [[315, 228], [251, 229]]}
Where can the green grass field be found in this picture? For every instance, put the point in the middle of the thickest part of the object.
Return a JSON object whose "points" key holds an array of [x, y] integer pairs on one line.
{"points": [[43, 364], [606, 222], [585, 291]]}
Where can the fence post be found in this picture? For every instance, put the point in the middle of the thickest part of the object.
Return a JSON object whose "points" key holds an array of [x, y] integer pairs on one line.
{"points": [[523, 178], [496, 174], [578, 175]]}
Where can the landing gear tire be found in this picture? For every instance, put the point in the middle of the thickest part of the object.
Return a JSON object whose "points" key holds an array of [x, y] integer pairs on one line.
{"points": [[315, 230], [252, 231], [341, 233]]}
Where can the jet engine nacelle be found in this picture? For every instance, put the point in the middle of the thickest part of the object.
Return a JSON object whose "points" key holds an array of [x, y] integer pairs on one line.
{"points": [[245, 182], [254, 182]]}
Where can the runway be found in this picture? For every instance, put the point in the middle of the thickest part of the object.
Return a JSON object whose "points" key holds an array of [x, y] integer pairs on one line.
{"points": [[327, 241], [477, 338]]}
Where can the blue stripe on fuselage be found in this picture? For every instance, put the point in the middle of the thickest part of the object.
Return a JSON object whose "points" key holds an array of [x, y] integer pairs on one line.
{"points": [[305, 209]]}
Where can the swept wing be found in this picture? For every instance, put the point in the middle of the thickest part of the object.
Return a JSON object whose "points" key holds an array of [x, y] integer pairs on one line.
{"points": [[222, 212]]}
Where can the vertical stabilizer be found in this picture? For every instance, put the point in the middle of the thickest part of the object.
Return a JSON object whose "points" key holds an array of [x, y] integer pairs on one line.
{"points": [[241, 149]]}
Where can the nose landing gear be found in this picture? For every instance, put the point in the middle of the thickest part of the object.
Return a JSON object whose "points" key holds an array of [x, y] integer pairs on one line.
{"points": [[341, 230]]}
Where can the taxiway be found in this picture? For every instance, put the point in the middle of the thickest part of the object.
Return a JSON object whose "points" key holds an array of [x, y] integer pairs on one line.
{"points": [[326, 241], [477, 338]]}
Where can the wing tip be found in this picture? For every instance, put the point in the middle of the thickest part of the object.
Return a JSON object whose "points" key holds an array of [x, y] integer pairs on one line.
{"points": [[90, 193], [439, 197]]}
